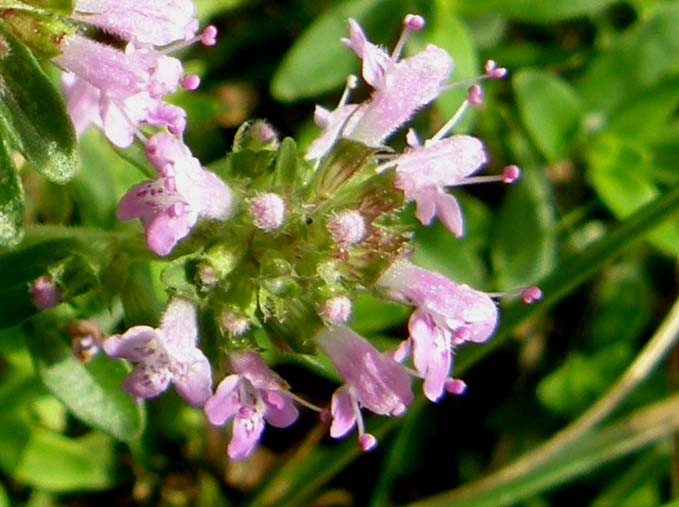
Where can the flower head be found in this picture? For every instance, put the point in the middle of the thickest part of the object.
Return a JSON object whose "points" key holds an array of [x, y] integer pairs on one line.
{"points": [[251, 395], [163, 355], [170, 205], [446, 316]]}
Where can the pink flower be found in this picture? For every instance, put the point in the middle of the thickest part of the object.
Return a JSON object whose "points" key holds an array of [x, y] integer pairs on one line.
{"points": [[119, 90], [164, 355], [170, 205], [157, 22], [424, 172], [371, 380], [401, 88], [251, 395], [447, 316]]}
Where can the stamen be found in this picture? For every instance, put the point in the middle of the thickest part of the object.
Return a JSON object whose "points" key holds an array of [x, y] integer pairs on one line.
{"points": [[528, 295], [190, 82], [208, 37], [493, 71], [450, 124], [306, 404], [531, 295], [511, 173], [367, 442], [411, 23], [455, 386], [352, 83]]}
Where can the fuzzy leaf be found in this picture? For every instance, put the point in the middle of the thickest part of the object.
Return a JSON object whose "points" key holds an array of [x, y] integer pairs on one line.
{"points": [[11, 201], [92, 391], [32, 113]]}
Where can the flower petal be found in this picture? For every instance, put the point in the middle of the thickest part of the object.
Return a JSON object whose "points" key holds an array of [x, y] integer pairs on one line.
{"points": [[342, 410], [224, 403], [247, 429]]}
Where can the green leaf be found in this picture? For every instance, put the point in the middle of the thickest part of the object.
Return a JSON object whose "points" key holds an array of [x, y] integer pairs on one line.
{"points": [[618, 172], [523, 247], [644, 116], [537, 11], [550, 110], [575, 270], [92, 391], [33, 115], [448, 31], [633, 61], [11, 201], [49, 461], [318, 62]]}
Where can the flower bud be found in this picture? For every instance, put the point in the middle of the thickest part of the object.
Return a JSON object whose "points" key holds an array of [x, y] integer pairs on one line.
{"points": [[44, 293], [347, 228], [267, 212]]}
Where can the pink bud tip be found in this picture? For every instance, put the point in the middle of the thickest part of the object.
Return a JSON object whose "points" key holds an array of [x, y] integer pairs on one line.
{"points": [[347, 228], [455, 386], [190, 82], [268, 212], [531, 295], [493, 71], [209, 36], [511, 173], [475, 95], [367, 442], [413, 22], [44, 293], [336, 311]]}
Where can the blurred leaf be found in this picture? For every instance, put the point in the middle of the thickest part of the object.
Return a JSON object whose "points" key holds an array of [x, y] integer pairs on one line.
{"points": [[641, 478], [33, 115], [318, 62], [537, 11], [618, 313], [642, 116], [550, 111], [301, 476], [370, 315], [92, 391], [52, 462], [207, 9], [4, 499], [20, 267], [633, 61], [635, 432], [523, 247], [575, 270], [582, 378], [460, 259], [104, 177], [11, 201], [448, 31], [618, 173]]}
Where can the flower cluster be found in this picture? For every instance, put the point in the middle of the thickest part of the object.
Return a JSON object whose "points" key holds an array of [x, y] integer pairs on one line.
{"points": [[304, 234], [123, 90]]}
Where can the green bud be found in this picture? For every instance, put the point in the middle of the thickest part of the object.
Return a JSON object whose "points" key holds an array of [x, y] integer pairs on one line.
{"points": [[255, 135]]}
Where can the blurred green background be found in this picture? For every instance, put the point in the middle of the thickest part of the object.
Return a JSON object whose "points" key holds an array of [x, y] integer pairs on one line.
{"points": [[589, 112]]}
